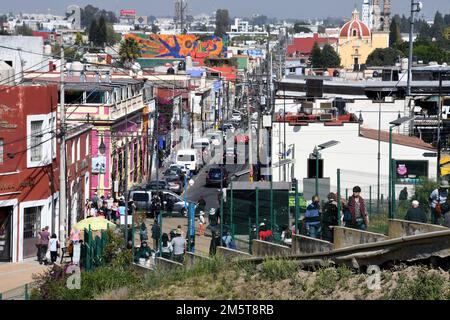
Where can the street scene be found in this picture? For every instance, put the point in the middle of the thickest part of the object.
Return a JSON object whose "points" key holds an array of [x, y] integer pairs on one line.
{"points": [[184, 151]]}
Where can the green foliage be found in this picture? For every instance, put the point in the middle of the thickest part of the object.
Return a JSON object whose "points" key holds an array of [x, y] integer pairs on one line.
{"points": [[279, 269], [379, 223], [430, 52], [425, 286], [79, 39], [90, 13], [383, 57], [129, 51], [115, 252], [395, 37], [222, 22], [325, 58], [52, 284], [24, 30], [298, 28]]}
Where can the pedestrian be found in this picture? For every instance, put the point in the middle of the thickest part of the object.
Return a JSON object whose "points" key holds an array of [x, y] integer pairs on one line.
{"points": [[215, 242], [286, 235], [166, 247], [75, 235], [312, 218], [95, 200], [265, 234], [201, 222], [403, 194], [179, 245], [180, 230], [144, 251], [228, 241], [357, 208], [87, 208], [201, 205], [45, 238], [438, 202], [143, 232], [115, 210], [155, 235], [415, 213], [38, 246], [330, 217], [54, 246]]}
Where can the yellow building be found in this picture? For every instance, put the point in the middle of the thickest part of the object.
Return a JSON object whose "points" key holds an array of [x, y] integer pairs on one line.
{"points": [[357, 42]]}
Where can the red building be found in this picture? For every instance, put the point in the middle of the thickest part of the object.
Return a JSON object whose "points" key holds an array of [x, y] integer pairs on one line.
{"points": [[302, 47], [28, 168]]}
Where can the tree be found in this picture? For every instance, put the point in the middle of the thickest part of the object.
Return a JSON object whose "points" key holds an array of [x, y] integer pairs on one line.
{"points": [[111, 36], [438, 26], [222, 22], [316, 56], [79, 39], [383, 57], [329, 57], [102, 37], [155, 29], [129, 52], [430, 52], [395, 37], [90, 13], [24, 30], [93, 32]]}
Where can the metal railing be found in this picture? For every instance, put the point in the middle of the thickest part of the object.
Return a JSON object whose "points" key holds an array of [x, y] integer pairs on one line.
{"points": [[19, 293]]}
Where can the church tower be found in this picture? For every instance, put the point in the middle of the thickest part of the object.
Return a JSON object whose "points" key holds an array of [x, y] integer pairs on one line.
{"points": [[386, 15], [376, 15]]}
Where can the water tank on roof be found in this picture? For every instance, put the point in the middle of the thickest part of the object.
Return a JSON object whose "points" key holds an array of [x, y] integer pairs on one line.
{"points": [[405, 62], [7, 74], [76, 68]]}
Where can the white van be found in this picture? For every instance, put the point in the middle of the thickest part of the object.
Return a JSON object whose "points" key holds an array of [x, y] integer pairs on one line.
{"points": [[189, 158]]}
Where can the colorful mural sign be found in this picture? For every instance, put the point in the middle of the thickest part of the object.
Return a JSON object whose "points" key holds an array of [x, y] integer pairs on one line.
{"points": [[177, 46]]}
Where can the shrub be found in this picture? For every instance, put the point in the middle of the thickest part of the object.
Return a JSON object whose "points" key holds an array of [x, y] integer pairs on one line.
{"points": [[279, 269], [425, 286]]}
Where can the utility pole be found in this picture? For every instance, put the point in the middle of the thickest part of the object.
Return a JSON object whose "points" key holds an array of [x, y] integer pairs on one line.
{"points": [[126, 189], [250, 133], [439, 128], [62, 155]]}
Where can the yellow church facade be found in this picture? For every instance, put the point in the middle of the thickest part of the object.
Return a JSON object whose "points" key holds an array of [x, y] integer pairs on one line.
{"points": [[357, 42]]}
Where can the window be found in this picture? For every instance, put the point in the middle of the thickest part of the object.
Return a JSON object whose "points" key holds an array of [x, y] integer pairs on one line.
{"points": [[186, 157], [354, 33], [78, 149], [1, 151], [141, 197], [87, 144], [73, 152], [409, 171], [36, 140]]}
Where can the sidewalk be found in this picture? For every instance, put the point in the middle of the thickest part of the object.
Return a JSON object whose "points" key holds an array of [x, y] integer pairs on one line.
{"points": [[14, 275]]}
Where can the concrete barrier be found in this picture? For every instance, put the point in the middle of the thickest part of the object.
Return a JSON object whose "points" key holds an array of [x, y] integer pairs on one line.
{"points": [[401, 228], [305, 245], [190, 259], [166, 264], [268, 249], [231, 254], [346, 237]]}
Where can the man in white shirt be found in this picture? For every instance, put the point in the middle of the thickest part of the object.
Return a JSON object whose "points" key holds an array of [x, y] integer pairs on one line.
{"points": [[179, 245]]}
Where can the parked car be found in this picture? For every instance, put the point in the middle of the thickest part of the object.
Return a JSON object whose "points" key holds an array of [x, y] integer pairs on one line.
{"points": [[174, 183], [182, 168], [175, 171], [174, 204], [142, 199], [236, 117], [162, 185], [216, 176]]}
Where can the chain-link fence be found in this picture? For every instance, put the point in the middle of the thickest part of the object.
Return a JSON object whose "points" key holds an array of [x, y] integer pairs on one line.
{"points": [[19, 293]]}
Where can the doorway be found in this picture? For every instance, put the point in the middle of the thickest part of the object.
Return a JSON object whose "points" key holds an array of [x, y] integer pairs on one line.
{"points": [[31, 227], [6, 233]]}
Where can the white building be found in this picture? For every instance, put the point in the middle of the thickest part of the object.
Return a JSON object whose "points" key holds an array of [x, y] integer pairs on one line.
{"points": [[240, 26], [356, 155], [31, 57], [367, 13]]}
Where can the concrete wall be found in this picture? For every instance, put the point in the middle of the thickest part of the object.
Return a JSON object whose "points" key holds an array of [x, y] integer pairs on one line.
{"points": [[401, 228], [264, 248], [346, 237], [190, 259], [306, 245], [165, 264], [232, 254]]}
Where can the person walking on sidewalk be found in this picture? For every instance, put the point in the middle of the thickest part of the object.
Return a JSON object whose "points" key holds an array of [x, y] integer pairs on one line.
{"points": [[179, 245], [45, 238], [201, 222], [54, 246], [155, 235]]}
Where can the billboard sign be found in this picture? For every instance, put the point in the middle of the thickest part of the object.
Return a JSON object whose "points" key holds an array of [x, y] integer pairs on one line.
{"points": [[128, 13]]}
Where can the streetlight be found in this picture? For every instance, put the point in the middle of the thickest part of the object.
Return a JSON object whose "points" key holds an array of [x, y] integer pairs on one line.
{"points": [[316, 155], [395, 123], [415, 7], [102, 147]]}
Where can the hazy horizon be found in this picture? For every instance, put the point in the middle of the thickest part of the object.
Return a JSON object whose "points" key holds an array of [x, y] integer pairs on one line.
{"points": [[286, 9]]}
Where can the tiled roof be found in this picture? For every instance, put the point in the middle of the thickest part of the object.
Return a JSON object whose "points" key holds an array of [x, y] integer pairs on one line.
{"points": [[305, 45], [399, 139]]}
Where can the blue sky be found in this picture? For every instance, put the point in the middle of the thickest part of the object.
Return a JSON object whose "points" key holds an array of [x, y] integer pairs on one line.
{"points": [[279, 8]]}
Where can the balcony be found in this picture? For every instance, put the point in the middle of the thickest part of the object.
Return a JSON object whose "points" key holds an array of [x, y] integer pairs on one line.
{"points": [[128, 106]]}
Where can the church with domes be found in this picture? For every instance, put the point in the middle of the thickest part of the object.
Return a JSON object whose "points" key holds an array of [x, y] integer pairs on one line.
{"points": [[357, 41]]}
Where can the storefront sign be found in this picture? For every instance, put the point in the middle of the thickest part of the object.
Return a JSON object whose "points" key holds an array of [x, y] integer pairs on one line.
{"points": [[99, 165], [6, 125]]}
